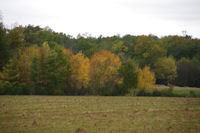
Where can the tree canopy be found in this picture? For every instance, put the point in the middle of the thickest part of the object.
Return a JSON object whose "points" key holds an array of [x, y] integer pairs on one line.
{"points": [[35, 60]]}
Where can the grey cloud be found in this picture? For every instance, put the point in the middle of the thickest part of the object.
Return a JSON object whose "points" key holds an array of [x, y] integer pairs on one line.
{"points": [[178, 10]]}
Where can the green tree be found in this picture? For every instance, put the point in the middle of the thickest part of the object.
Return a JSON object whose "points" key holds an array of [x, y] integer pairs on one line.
{"points": [[4, 47], [10, 77], [60, 69], [165, 70], [129, 72], [11, 81], [177, 46], [16, 39], [39, 71], [120, 49], [148, 50], [188, 73], [51, 70], [17, 71]]}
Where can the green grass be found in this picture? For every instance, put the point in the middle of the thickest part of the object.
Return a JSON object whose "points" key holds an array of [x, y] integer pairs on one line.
{"points": [[181, 91], [63, 114], [187, 91]]}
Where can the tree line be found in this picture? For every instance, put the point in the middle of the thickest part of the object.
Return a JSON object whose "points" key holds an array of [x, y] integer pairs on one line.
{"points": [[35, 60]]}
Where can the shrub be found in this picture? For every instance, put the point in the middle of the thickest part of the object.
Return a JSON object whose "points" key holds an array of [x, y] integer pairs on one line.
{"points": [[23, 90], [168, 91], [157, 92], [192, 93]]}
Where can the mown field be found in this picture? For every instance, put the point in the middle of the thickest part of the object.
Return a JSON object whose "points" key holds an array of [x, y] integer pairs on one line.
{"points": [[63, 114]]}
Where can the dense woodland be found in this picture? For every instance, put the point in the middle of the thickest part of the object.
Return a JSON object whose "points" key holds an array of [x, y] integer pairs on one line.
{"points": [[35, 60]]}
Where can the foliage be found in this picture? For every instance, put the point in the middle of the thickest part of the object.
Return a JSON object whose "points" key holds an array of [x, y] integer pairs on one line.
{"points": [[146, 79], [168, 91], [165, 70], [50, 70], [104, 75], [147, 51], [16, 90], [164, 92], [80, 72], [119, 49], [4, 48], [46, 62], [10, 76], [179, 46], [16, 39], [188, 73], [17, 72], [85, 45], [129, 72]]}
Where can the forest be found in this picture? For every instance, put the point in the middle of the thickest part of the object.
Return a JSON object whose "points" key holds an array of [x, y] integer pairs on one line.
{"points": [[40, 61]]}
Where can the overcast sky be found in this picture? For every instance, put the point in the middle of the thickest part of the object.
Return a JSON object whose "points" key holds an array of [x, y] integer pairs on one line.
{"points": [[106, 17]]}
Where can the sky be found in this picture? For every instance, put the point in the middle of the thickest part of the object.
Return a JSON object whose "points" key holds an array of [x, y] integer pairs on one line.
{"points": [[106, 17]]}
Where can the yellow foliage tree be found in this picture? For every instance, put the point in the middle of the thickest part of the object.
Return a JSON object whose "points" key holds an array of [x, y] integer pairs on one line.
{"points": [[104, 75], [80, 71], [146, 79]]}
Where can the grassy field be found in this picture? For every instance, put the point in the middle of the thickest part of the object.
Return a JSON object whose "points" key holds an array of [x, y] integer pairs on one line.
{"points": [[63, 114], [182, 91]]}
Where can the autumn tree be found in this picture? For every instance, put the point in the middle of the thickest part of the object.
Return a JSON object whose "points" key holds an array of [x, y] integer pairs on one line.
{"points": [[104, 75], [80, 72], [146, 79]]}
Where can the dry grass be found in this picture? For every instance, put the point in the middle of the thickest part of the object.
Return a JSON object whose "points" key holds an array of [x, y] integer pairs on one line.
{"points": [[98, 114]]}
